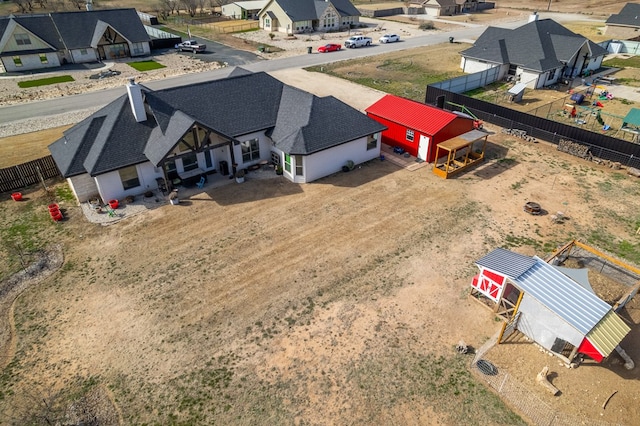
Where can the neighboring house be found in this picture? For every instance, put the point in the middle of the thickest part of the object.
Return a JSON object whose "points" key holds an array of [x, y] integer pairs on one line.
{"points": [[441, 7], [29, 42], [243, 120], [416, 127], [297, 16], [243, 9], [626, 24], [553, 306], [539, 53]]}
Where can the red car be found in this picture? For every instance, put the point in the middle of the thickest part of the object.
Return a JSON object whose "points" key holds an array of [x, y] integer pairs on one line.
{"points": [[329, 48]]}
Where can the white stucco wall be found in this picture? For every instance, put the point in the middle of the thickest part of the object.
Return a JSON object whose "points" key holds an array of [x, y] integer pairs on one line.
{"points": [[265, 149], [331, 160], [232, 10], [31, 62], [83, 186], [77, 56], [470, 66], [543, 326], [110, 185]]}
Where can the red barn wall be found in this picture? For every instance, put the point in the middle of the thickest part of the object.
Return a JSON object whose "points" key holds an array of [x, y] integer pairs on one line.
{"points": [[396, 135]]}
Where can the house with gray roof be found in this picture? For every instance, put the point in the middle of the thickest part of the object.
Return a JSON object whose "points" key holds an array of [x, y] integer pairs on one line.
{"points": [[244, 120], [626, 24], [539, 53], [243, 9], [38, 41], [299, 16], [553, 306]]}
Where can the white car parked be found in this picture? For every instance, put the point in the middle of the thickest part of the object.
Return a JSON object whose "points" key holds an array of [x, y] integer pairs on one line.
{"points": [[389, 38]]}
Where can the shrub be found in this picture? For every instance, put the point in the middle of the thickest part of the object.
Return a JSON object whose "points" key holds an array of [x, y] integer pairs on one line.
{"points": [[427, 25]]}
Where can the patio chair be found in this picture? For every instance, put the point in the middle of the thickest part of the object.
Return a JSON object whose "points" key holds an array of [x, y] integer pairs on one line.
{"points": [[201, 182]]}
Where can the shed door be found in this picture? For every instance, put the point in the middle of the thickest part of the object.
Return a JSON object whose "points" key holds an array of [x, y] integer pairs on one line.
{"points": [[423, 148]]}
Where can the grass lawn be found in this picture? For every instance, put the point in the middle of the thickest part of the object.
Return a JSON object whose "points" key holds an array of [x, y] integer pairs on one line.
{"points": [[45, 81], [146, 65]]}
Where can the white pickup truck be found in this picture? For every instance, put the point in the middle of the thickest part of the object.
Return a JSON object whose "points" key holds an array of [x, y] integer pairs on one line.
{"points": [[358, 41], [191, 46]]}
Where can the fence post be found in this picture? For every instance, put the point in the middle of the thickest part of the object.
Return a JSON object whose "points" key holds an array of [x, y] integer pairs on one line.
{"points": [[506, 375]]}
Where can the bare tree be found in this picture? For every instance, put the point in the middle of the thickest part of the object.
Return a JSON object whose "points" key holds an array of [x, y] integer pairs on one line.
{"points": [[191, 6], [201, 4], [41, 3], [24, 6], [78, 4]]}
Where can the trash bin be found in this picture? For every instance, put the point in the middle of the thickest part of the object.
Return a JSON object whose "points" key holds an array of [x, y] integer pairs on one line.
{"points": [[224, 168], [309, 49], [450, 39]]}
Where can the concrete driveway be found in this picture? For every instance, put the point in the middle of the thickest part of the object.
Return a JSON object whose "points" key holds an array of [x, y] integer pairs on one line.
{"points": [[217, 52]]}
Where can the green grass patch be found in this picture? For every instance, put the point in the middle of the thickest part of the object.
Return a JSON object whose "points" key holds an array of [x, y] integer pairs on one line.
{"points": [[146, 65], [45, 81], [632, 62]]}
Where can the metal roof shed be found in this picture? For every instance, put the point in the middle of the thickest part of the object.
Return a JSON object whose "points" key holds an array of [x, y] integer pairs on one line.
{"points": [[517, 92], [548, 306]]}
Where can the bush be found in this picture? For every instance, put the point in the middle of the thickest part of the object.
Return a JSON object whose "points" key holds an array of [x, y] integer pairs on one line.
{"points": [[427, 25]]}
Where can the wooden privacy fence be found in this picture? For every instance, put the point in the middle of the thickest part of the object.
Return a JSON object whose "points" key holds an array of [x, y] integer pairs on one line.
{"points": [[30, 173]]}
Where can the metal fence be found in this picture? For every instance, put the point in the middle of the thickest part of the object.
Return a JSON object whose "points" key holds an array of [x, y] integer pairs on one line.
{"points": [[30, 173], [600, 145], [523, 400]]}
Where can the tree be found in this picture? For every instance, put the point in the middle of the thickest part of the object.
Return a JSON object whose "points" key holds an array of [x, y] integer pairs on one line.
{"points": [[191, 6], [24, 6]]}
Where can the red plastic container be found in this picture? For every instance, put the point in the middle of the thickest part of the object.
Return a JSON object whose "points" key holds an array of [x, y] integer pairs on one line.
{"points": [[53, 207], [113, 204], [17, 196], [56, 215]]}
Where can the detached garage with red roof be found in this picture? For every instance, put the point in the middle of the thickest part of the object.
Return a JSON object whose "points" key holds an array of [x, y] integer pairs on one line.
{"points": [[416, 127]]}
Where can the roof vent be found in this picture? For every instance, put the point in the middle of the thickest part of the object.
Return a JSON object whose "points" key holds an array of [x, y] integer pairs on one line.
{"points": [[533, 16]]}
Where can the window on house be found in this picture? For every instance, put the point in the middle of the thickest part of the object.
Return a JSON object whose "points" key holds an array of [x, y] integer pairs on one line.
{"points": [[190, 162], [267, 22], [410, 135], [22, 39], [250, 150], [43, 59], [17, 61], [299, 167], [287, 163], [138, 48], [275, 158], [372, 142], [83, 52], [129, 177]]}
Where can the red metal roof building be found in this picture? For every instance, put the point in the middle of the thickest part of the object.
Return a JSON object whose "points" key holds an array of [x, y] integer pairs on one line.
{"points": [[416, 127]]}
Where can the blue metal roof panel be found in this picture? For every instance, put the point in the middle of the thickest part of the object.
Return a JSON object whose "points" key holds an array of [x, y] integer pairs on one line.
{"points": [[506, 262], [573, 303]]}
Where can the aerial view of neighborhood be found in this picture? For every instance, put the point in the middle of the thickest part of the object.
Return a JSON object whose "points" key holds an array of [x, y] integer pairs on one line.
{"points": [[319, 212]]}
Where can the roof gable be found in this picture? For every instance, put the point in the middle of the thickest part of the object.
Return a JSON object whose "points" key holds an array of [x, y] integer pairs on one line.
{"points": [[424, 118], [302, 10], [78, 28], [39, 26], [540, 45], [628, 16]]}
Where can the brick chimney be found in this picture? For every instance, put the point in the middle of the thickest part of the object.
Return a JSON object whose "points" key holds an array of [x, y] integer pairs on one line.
{"points": [[136, 101]]}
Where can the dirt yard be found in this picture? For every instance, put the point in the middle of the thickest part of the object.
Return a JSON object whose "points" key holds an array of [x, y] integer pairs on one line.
{"points": [[333, 302], [336, 302]]}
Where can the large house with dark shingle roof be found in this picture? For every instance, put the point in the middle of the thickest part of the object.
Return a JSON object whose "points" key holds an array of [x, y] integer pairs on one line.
{"points": [[539, 53], [243, 120], [626, 24], [37, 41], [297, 16]]}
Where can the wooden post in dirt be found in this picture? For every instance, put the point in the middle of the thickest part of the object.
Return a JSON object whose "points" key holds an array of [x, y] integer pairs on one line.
{"points": [[542, 379]]}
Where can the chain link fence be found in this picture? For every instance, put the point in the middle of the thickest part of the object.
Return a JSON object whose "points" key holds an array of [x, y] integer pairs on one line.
{"points": [[520, 397]]}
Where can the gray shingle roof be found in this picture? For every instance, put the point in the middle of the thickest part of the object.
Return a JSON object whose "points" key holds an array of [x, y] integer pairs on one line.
{"points": [[629, 15], [301, 10], [540, 45], [298, 122], [75, 30], [40, 25]]}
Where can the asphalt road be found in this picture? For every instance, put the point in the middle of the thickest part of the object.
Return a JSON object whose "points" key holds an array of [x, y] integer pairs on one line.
{"points": [[216, 52], [40, 109]]}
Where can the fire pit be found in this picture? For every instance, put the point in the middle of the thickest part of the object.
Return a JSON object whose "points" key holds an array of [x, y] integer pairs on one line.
{"points": [[532, 208]]}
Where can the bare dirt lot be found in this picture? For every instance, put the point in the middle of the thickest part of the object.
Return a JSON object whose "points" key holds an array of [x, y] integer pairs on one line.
{"points": [[336, 302]]}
